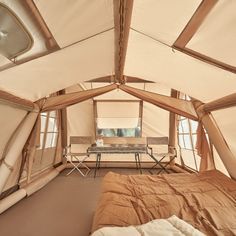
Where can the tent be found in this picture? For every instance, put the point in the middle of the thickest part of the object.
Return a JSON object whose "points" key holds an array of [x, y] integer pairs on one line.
{"points": [[73, 67]]}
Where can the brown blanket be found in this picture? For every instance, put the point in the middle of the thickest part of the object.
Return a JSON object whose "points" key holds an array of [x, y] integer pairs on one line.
{"points": [[207, 201]]}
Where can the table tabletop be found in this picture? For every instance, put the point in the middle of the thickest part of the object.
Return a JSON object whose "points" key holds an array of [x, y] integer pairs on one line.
{"points": [[119, 148]]}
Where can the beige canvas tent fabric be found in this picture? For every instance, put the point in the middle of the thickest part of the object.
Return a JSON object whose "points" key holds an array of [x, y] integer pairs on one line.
{"points": [[169, 16], [66, 63], [10, 118], [86, 36], [157, 62], [226, 121], [217, 32], [76, 14]]}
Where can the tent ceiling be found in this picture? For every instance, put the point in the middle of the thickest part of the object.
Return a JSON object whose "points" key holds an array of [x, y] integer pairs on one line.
{"points": [[157, 62], [73, 21], [163, 20], [216, 36], [59, 70], [149, 55]]}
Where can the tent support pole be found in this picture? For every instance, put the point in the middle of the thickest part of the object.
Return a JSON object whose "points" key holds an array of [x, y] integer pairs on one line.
{"points": [[216, 138], [63, 120], [16, 145], [173, 126]]}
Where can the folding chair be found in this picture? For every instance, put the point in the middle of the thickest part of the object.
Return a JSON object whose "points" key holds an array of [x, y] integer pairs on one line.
{"points": [[76, 154], [157, 156]]}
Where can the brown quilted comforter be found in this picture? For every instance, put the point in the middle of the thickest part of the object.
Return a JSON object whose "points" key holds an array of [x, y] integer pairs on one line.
{"points": [[207, 201]]}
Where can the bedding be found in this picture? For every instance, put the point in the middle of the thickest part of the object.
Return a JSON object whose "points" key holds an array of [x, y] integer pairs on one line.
{"points": [[172, 226], [207, 201]]}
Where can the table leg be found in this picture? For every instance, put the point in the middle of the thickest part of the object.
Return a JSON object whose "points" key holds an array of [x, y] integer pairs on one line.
{"points": [[99, 161], [96, 166], [136, 161], [139, 163]]}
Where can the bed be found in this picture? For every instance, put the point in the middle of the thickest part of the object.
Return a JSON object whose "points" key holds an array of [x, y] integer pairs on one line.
{"points": [[207, 201]]}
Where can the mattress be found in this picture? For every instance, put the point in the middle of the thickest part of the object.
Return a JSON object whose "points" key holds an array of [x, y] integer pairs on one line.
{"points": [[206, 200]]}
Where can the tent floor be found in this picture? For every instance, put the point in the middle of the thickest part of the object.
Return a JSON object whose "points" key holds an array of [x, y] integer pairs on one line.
{"points": [[64, 207]]}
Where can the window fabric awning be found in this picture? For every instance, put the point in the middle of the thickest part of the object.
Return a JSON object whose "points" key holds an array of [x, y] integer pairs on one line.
{"points": [[116, 123], [113, 115]]}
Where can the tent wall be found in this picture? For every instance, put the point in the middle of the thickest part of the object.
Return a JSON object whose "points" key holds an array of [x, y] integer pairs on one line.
{"points": [[155, 119], [80, 119], [218, 162], [10, 118], [16, 146], [226, 120], [43, 159]]}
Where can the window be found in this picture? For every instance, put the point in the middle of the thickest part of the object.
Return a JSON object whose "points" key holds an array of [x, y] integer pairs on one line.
{"points": [[120, 132], [187, 137], [118, 118], [49, 131]]}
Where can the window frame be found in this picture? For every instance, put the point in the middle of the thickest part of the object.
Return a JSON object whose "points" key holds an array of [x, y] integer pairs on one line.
{"points": [[45, 132]]}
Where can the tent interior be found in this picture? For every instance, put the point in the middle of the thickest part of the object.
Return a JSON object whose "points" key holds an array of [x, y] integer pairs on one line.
{"points": [[120, 69]]}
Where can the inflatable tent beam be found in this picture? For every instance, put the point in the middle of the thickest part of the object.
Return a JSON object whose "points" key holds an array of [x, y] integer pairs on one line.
{"points": [[30, 188], [216, 138], [39, 21], [221, 103], [16, 145], [195, 22], [122, 20], [20, 103], [62, 101], [177, 106]]}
